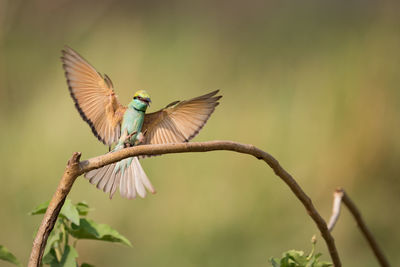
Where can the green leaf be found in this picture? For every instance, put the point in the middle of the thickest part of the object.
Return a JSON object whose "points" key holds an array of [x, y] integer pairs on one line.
{"points": [[55, 237], [83, 208], [86, 265], [274, 262], [297, 256], [51, 258], [68, 211], [285, 262], [6, 255], [88, 229], [69, 257], [41, 209], [323, 264]]}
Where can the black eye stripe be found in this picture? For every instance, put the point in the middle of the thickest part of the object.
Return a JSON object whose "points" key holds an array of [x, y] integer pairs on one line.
{"points": [[141, 98]]}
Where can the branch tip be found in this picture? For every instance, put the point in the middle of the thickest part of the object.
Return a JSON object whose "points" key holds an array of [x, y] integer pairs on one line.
{"points": [[75, 158]]}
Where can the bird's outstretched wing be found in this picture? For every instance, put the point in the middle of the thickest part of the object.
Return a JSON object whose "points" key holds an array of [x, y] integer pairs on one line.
{"points": [[179, 121], [94, 97]]}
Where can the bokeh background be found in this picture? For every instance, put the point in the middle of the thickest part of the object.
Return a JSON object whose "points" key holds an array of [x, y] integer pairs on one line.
{"points": [[314, 83]]}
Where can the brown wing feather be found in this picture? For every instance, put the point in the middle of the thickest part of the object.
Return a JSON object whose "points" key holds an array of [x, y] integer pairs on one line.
{"points": [[94, 97], [179, 121]]}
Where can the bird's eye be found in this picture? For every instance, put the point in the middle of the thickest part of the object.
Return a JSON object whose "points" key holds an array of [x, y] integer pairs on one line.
{"points": [[135, 97]]}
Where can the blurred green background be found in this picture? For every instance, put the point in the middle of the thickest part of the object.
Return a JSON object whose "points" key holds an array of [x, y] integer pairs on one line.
{"points": [[314, 83]]}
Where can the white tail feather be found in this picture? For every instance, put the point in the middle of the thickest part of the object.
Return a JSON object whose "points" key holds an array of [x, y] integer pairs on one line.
{"points": [[104, 172], [111, 181], [123, 186], [144, 179], [131, 182], [138, 181], [115, 185], [130, 187]]}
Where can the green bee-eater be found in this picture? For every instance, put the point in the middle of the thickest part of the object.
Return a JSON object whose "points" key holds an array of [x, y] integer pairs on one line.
{"points": [[113, 123]]}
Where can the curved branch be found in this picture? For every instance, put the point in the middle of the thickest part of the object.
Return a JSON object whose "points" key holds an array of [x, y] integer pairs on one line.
{"points": [[74, 171]]}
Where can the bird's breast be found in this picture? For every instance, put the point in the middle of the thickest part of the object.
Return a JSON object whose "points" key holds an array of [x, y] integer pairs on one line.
{"points": [[133, 121]]}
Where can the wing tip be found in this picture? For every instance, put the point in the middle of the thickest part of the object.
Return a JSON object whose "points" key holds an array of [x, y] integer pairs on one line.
{"points": [[211, 95], [68, 51], [215, 100], [215, 92]]}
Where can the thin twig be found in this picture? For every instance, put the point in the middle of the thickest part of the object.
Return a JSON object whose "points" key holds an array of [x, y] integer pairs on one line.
{"points": [[340, 196], [74, 171], [364, 229]]}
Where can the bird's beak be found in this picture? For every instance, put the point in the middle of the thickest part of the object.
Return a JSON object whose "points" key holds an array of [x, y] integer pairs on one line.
{"points": [[148, 101]]}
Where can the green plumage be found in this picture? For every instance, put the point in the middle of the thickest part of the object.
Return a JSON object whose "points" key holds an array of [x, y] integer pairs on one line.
{"points": [[131, 127], [132, 123]]}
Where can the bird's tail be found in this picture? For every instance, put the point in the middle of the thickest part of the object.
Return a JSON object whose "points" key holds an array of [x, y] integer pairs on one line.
{"points": [[128, 174]]}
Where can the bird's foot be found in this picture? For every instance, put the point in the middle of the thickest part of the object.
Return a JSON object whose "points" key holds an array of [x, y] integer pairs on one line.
{"points": [[140, 138], [127, 142]]}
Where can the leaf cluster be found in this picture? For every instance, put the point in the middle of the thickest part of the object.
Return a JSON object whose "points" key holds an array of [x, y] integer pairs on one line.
{"points": [[71, 226], [296, 258]]}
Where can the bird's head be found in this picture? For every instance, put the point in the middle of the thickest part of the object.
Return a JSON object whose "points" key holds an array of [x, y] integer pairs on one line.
{"points": [[141, 100]]}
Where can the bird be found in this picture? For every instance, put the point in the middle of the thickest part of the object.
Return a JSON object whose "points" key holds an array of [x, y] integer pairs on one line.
{"points": [[123, 126]]}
